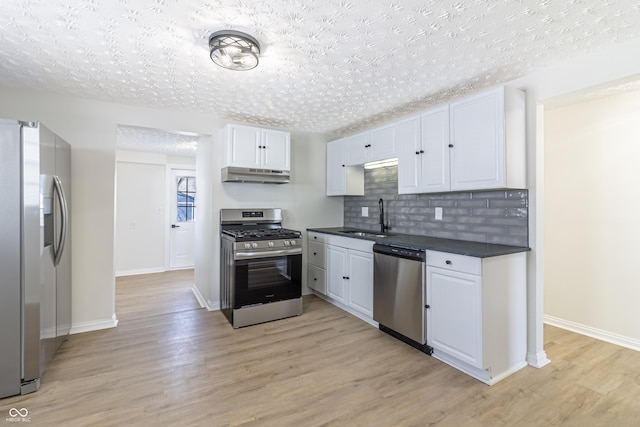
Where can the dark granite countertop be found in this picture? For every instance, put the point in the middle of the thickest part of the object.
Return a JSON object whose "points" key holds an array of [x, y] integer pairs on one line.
{"points": [[461, 247]]}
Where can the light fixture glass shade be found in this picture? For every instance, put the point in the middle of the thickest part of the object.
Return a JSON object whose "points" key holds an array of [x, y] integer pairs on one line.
{"points": [[234, 50]]}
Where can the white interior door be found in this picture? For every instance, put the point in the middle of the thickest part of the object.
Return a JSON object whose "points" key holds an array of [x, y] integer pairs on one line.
{"points": [[183, 216]]}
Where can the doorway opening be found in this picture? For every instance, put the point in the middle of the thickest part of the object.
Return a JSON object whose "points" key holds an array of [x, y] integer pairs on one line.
{"points": [[156, 210]]}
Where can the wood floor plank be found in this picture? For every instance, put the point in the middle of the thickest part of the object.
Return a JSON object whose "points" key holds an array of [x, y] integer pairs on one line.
{"points": [[170, 362]]}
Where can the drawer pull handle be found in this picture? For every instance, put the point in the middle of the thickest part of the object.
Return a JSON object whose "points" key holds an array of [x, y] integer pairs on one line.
{"points": [[448, 262]]}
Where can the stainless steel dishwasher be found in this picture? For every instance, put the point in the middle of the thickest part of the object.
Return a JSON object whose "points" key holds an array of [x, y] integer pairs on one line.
{"points": [[399, 294]]}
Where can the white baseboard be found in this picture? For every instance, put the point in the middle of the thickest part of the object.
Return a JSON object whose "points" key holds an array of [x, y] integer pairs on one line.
{"points": [[589, 331], [209, 305], [97, 325], [139, 271], [538, 360]]}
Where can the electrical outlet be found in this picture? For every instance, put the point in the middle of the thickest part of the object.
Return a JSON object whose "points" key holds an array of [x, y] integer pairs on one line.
{"points": [[365, 211], [438, 214]]}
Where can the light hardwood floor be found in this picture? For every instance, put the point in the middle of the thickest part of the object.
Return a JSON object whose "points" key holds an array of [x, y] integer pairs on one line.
{"points": [[171, 363]]}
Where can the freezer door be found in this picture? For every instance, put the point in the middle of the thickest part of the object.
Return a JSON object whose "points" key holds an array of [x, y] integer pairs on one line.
{"points": [[10, 280]]}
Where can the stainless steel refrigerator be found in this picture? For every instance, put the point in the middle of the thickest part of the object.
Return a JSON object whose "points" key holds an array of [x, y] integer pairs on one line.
{"points": [[35, 252]]}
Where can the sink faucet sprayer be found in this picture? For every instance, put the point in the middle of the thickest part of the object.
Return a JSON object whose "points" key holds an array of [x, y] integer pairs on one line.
{"points": [[383, 227]]}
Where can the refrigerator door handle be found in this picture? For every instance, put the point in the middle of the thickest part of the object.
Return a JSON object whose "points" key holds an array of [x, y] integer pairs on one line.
{"points": [[64, 214]]}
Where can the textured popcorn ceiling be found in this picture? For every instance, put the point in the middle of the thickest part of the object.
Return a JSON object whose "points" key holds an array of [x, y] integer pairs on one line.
{"points": [[156, 141], [330, 66]]}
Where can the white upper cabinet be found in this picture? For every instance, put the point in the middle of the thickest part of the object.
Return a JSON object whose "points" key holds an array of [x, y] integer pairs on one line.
{"points": [[252, 147], [276, 149], [378, 144], [356, 147], [477, 143], [487, 141], [342, 180], [423, 153]]}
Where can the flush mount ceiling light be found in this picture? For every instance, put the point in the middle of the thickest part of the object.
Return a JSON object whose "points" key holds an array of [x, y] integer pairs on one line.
{"points": [[234, 50]]}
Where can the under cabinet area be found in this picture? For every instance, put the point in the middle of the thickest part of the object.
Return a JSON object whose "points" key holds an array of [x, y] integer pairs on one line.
{"points": [[252, 147], [476, 315]]}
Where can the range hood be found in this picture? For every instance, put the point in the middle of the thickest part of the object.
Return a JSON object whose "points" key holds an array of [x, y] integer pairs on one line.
{"points": [[262, 176]]}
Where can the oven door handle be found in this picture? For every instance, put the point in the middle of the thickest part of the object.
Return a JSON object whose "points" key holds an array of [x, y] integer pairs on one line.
{"points": [[266, 254]]}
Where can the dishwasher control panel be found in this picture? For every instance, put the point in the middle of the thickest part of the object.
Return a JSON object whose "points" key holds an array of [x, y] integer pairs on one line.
{"points": [[392, 250]]}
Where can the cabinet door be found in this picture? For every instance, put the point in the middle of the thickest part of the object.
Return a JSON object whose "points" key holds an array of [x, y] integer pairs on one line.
{"points": [[382, 144], [409, 156], [477, 136], [243, 144], [360, 282], [336, 169], [316, 254], [337, 273], [356, 149], [434, 161], [316, 279], [454, 317], [276, 148]]}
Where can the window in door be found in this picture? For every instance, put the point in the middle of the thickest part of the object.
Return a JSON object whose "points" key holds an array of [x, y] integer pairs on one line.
{"points": [[186, 199]]}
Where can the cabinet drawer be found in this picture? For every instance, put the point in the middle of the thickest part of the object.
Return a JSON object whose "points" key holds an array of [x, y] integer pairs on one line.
{"points": [[317, 279], [316, 237], [316, 254], [455, 262]]}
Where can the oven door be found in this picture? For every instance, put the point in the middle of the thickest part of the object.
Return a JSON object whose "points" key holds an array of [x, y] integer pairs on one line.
{"points": [[265, 280]]}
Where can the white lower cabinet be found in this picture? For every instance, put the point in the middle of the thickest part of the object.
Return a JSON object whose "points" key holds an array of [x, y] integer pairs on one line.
{"points": [[341, 268], [316, 263], [476, 316], [350, 278]]}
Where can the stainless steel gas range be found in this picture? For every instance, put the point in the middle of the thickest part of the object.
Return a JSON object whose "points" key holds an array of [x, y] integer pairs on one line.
{"points": [[261, 267]]}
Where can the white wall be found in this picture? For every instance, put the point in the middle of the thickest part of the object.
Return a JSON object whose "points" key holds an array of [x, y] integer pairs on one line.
{"points": [[140, 218], [616, 63], [141, 213], [591, 215]]}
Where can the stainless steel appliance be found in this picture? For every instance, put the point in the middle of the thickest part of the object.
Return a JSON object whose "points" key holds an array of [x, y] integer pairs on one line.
{"points": [[261, 176], [35, 252], [260, 268], [399, 294]]}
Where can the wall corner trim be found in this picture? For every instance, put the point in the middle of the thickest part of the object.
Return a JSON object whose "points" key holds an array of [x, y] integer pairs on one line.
{"points": [[95, 325]]}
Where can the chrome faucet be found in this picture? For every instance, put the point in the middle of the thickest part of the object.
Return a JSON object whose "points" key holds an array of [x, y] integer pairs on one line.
{"points": [[383, 227]]}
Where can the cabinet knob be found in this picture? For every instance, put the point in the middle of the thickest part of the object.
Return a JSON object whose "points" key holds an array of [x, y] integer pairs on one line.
{"points": [[450, 145], [315, 237], [427, 306], [417, 152], [315, 279], [315, 253], [421, 151], [342, 165], [448, 262]]}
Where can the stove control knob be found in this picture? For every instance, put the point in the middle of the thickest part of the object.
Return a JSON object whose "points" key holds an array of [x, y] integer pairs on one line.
{"points": [[270, 244], [293, 243], [247, 245], [286, 243], [254, 245]]}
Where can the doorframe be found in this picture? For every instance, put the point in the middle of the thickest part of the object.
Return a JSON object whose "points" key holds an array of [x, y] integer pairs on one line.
{"points": [[167, 209]]}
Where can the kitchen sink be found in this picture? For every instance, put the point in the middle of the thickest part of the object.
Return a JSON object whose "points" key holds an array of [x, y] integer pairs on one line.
{"points": [[365, 233]]}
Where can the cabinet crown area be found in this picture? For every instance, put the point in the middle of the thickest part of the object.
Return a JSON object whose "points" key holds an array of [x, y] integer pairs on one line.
{"points": [[475, 143]]}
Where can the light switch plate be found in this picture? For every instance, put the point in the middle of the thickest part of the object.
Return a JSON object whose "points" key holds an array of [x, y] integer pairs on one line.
{"points": [[438, 214], [365, 211]]}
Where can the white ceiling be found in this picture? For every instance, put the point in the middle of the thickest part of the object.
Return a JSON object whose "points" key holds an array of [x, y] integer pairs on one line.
{"points": [[331, 66], [134, 138]]}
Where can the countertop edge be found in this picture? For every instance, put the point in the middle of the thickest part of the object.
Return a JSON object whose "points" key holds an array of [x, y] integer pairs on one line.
{"points": [[459, 247]]}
